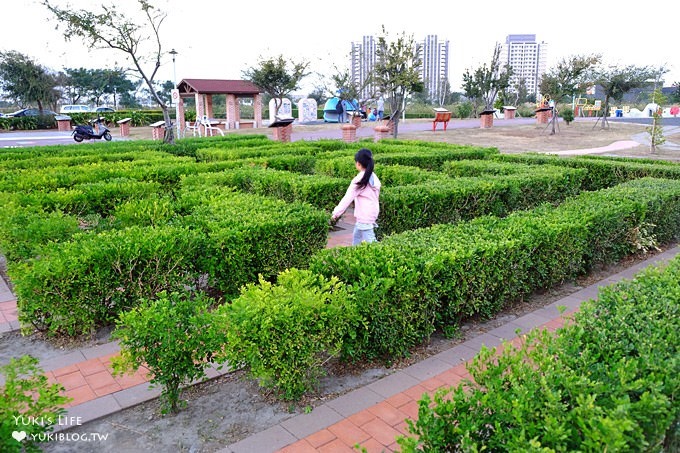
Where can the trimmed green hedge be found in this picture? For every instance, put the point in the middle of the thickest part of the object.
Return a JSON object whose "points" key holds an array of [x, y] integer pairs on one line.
{"points": [[412, 283], [321, 191], [608, 381], [78, 285], [248, 235], [602, 172], [84, 281], [448, 201]]}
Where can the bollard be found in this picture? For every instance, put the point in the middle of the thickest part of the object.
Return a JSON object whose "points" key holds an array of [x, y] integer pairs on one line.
{"points": [[349, 133], [380, 132], [283, 133]]}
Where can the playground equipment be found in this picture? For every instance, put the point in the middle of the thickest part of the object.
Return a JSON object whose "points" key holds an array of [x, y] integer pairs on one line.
{"points": [[330, 114]]}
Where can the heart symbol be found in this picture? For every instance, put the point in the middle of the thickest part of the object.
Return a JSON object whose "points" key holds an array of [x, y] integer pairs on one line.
{"points": [[19, 435]]}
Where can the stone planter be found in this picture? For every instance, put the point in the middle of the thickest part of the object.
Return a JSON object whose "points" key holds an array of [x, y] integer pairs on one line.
{"points": [[380, 132], [283, 133], [486, 119], [509, 112], [349, 133]]}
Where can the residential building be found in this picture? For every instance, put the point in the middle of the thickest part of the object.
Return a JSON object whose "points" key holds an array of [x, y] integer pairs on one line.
{"points": [[362, 62], [434, 54], [527, 58]]}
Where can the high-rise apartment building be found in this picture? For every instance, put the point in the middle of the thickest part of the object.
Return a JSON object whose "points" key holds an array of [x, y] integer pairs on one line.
{"points": [[363, 61], [433, 52], [527, 57], [434, 55]]}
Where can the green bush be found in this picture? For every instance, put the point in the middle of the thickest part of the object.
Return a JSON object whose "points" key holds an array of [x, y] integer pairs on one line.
{"points": [[568, 115], [174, 336], [79, 285], [24, 230], [318, 190], [284, 333], [412, 283], [152, 211], [29, 406], [247, 235], [607, 382], [463, 110], [601, 172]]}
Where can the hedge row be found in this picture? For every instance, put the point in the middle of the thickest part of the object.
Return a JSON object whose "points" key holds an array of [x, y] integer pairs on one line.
{"points": [[601, 172], [321, 191], [166, 171], [607, 382], [414, 197], [420, 157], [448, 201], [414, 282], [86, 281]]}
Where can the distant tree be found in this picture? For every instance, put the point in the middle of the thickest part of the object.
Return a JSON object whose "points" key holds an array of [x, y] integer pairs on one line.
{"points": [[487, 81], [109, 28], [521, 92], [76, 84], [617, 81], [26, 82], [397, 72], [274, 78], [319, 95], [655, 131], [675, 96], [570, 77], [350, 89]]}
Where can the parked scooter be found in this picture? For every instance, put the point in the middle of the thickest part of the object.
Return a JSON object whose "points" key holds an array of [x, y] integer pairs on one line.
{"points": [[94, 132]]}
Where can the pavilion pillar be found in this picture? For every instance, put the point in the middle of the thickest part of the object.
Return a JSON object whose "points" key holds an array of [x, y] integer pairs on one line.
{"points": [[180, 121], [209, 105], [200, 106], [257, 110], [232, 111]]}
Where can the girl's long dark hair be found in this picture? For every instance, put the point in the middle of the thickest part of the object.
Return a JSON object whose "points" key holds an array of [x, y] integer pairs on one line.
{"points": [[365, 158]]}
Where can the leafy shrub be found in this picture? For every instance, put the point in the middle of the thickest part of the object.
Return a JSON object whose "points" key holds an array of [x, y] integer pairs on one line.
{"points": [[568, 115], [247, 235], [29, 406], [601, 172], [284, 333], [174, 336], [607, 382], [23, 231], [318, 190], [413, 282], [152, 211], [463, 110], [78, 285]]}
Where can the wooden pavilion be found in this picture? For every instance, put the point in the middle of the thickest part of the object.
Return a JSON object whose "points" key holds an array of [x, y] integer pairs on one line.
{"points": [[203, 90]]}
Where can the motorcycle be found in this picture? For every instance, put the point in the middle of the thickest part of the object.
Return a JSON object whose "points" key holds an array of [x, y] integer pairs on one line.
{"points": [[83, 131]]}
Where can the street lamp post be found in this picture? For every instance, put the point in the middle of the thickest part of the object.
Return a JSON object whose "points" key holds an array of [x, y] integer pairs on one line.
{"points": [[174, 53]]}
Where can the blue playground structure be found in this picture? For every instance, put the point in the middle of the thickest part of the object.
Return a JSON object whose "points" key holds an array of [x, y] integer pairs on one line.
{"points": [[329, 113]]}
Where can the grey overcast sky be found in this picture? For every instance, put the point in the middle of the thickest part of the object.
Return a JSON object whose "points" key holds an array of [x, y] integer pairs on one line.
{"points": [[221, 38]]}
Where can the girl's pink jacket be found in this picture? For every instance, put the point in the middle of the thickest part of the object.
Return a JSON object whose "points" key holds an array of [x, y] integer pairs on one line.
{"points": [[366, 205]]}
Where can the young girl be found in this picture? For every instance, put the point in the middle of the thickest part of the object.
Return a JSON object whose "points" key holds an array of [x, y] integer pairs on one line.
{"points": [[364, 191]]}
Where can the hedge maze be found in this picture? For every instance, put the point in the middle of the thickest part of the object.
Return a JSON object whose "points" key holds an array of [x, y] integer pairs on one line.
{"points": [[88, 231]]}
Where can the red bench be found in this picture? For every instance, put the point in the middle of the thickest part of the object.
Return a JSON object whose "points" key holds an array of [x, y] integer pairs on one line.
{"points": [[441, 117]]}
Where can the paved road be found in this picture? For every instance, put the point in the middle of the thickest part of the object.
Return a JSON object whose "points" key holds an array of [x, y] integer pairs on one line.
{"points": [[37, 138]]}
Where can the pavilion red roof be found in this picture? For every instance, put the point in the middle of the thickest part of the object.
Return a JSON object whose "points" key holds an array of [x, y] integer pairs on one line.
{"points": [[217, 86]]}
